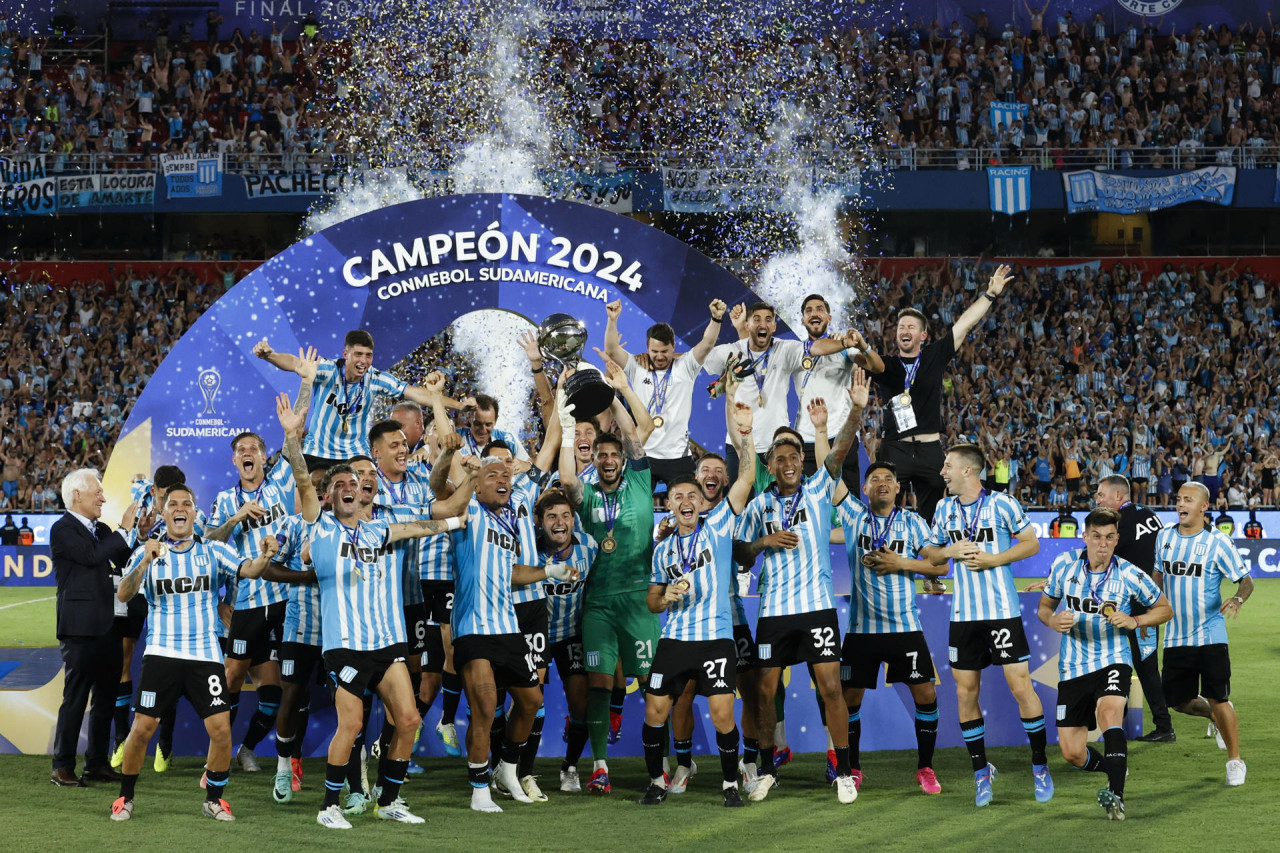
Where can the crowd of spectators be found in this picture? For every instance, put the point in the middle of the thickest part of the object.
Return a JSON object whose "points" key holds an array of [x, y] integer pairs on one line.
{"points": [[1143, 96]]}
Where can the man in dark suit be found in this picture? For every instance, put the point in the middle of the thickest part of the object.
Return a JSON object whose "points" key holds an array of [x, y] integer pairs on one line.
{"points": [[84, 550]]}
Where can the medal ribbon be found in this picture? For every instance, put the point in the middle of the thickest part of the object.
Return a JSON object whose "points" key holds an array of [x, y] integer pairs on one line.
{"points": [[1095, 592], [760, 364], [255, 494], [659, 399], [346, 390], [808, 347], [686, 562], [877, 538], [353, 537], [789, 509], [611, 501], [391, 487], [507, 521], [910, 373], [971, 525]]}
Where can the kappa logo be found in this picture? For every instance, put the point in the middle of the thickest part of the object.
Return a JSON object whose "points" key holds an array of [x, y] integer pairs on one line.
{"points": [[720, 683], [147, 699], [915, 674], [655, 681], [1003, 653], [827, 653], [765, 650], [215, 702]]}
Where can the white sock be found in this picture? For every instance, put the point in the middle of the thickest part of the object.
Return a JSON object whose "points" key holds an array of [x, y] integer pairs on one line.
{"points": [[724, 786], [780, 736], [600, 765], [659, 781], [830, 744], [283, 764]]}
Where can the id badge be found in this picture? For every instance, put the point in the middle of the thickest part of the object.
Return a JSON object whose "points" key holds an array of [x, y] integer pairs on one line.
{"points": [[121, 607], [903, 414]]}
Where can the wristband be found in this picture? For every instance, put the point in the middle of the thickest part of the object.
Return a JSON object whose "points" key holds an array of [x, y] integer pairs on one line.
{"points": [[989, 296], [719, 319], [537, 369], [744, 432], [453, 522], [1238, 600]]}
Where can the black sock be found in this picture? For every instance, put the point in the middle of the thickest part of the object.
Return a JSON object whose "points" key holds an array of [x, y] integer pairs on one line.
{"points": [[215, 784], [511, 753], [926, 733], [651, 737], [975, 734], [284, 746], [750, 750], [1039, 738], [391, 775], [1116, 760], [354, 780], [127, 783], [496, 732], [300, 723], [727, 744], [530, 751], [478, 774], [264, 718], [684, 752], [616, 698], [843, 759], [233, 702], [168, 723], [855, 737], [577, 742], [1092, 761], [423, 707], [124, 695], [385, 737], [766, 760], [334, 777], [451, 687]]}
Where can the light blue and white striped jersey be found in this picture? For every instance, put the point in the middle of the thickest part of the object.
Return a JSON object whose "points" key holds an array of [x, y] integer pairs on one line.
{"points": [[275, 494], [588, 475], [361, 607], [471, 448], [796, 580], [1093, 643], [529, 484], [485, 552], [161, 526], [302, 613], [182, 595], [341, 411], [1194, 568], [410, 500], [407, 550], [881, 603], [564, 598], [703, 558], [989, 593]]}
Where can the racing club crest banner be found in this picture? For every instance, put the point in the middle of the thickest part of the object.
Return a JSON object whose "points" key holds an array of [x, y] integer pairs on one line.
{"points": [[1090, 191]]}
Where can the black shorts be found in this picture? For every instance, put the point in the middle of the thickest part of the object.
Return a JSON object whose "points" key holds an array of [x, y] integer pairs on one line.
{"points": [[131, 624], [746, 647], [300, 662], [1078, 697], [508, 656], [433, 649], [707, 663], [256, 632], [979, 644], [801, 638], [1073, 484], [360, 672], [568, 657], [668, 470], [1191, 671], [165, 680], [437, 596], [1043, 487], [533, 619], [904, 654], [415, 626]]}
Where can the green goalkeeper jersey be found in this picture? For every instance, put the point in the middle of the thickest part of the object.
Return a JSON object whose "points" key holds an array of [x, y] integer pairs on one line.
{"points": [[626, 570]]}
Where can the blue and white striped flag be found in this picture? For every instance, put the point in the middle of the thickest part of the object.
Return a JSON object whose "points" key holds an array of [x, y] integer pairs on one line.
{"points": [[1009, 188], [1006, 113]]}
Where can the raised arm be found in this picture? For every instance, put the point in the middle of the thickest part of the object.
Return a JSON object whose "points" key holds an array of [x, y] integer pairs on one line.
{"points": [[529, 342], [450, 443], [308, 360], [569, 481], [282, 360], [456, 503], [422, 527], [632, 444], [739, 417], [859, 391], [612, 338], [617, 380], [710, 334], [975, 312], [292, 422], [850, 339]]}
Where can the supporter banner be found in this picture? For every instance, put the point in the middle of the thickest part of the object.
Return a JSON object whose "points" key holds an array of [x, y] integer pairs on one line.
{"points": [[277, 184], [1010, 188], [25, 186], [192, 175], [26, 565], [611, 192], [1006, 113], [1088, 191], [725, 189], [124, 189]]}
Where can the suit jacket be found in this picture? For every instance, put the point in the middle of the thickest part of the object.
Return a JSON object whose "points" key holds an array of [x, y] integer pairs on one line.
{"points": [[83, 567]]}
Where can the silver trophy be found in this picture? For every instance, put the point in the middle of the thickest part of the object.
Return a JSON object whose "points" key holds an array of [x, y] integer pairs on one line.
{"points": [[561, 340]]}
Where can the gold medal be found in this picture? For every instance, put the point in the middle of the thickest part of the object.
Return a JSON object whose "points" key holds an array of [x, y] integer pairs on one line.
{"points": [[906, 398], [658, 421], [760, 401], [681, 585], [807, 362], [344, 426], [1108, 609], [609, 544], [163, 551]]}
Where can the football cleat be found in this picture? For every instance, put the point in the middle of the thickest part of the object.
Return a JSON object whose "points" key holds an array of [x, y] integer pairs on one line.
{"points": [[482, 800], [162, 759], [248, 761], [857, 778], [1043, 782], [506, 781], [615, 727], [732, 799], [282, 791], [749, 774], [296, 765], [680, 779], [1159, 736], [599, 782], [655, 795], [764, 782], [448, 734], [414, 769], [1235, 772], [831, 766], [846, 790], [356, 803], [1110, 801], [122, 809], [781, 757], [569, 782], [928, 780], [117, 757], [333, 818], [397, 811], [982, 779], [218, 810], [530, 786]]}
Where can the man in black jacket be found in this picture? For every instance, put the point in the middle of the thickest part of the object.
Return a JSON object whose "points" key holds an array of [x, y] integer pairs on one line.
{"points": [[84, 550]]}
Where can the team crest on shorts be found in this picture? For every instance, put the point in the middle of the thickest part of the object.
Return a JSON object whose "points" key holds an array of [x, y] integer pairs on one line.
{"points": [[286, 667], [1062, 713], [765, 650], [147, 699], [846, 673], [593, 658], [239, 646], [655, 681], [347, 673]]}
